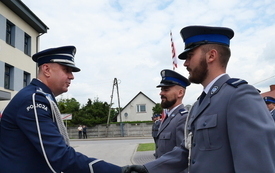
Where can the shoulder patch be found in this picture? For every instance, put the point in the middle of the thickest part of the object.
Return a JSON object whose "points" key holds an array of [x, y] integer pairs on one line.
{"points": [[183, 111], [235, 82]]}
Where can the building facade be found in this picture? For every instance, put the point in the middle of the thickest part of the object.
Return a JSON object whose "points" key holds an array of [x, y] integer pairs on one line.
{"points": [[20, 30], [138, 109]]}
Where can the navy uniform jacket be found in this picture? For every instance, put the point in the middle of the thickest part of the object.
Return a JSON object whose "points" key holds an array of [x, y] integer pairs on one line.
{"points": [[20, 147], [233, 132], [171, 131]]}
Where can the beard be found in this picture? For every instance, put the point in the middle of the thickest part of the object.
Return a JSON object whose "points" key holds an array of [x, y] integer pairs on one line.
{"points": [[167, 104], [198, 74]]}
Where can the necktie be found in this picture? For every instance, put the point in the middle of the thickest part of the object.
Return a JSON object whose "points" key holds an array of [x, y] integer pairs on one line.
{"points": [[203, 94], [165, 117]]}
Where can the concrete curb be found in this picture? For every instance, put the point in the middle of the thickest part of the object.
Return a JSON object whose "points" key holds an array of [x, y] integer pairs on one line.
{"points": [[133, 155]]}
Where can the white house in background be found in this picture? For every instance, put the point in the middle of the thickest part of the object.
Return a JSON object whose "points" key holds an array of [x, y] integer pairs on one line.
{"points": [[138, 109]]}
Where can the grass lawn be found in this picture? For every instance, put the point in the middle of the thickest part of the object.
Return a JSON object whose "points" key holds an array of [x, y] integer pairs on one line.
{"points": [[146, 147]]}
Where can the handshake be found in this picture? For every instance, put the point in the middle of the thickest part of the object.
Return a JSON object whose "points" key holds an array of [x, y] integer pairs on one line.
{"points": [[134, 169]]}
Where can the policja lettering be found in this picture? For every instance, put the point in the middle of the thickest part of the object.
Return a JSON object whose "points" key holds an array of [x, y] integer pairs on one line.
{"points": [[38, 105]]}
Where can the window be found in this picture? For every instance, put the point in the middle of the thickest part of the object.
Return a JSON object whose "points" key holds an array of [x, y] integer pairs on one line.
{"points": [[10, 33], [141, 108], [26, 79], [27, 44], [8, 76]]}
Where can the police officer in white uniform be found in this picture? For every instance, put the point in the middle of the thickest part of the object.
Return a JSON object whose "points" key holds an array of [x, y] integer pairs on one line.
{"points": [[230, 130]]}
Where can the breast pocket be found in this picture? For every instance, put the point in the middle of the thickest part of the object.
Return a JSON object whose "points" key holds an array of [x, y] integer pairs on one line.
{"points": [[165, 136], [207, 134]]}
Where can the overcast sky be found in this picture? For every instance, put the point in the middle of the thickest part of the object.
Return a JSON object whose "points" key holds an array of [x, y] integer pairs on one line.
{"points": [[129, 40]]}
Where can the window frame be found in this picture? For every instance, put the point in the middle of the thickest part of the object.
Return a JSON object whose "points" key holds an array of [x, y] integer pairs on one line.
{"points": [[26, 78], [8, 77], [10, 33], [139, 108], [27, 44]]}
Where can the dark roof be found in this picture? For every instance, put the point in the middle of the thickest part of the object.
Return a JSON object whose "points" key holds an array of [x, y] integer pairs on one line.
{"points": [[19, 8]]}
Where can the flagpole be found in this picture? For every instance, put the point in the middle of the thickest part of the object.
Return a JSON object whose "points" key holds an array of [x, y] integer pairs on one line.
{"points": [[174, 57]]}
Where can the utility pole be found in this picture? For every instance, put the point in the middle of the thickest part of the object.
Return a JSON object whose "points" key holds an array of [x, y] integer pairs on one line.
{"points": [[119, 112]]}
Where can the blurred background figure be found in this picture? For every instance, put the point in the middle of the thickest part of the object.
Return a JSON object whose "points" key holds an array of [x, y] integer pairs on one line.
{"points": [[270, 103]]}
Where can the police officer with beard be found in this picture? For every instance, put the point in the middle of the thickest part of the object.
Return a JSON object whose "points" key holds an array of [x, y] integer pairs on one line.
{"points": [[228, 129], [171, 131]]}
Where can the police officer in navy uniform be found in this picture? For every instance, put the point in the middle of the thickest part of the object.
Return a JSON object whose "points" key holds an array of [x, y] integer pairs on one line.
{"points": [[33, 138], [228, 129], [270, 103]]}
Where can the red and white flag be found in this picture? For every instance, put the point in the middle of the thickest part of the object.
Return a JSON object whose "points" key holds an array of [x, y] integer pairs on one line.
{"points": [[174, 57]]}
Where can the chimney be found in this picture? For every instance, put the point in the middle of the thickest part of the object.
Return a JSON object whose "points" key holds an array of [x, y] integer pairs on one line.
{"points": [[272, 87]]}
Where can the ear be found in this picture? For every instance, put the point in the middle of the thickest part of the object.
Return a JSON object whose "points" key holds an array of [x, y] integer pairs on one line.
{"points": [[46, 69], [181, 92], [211, 55]]}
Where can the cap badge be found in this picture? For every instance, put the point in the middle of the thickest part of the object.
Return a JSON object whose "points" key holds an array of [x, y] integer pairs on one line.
{"points": [[163, 73]]}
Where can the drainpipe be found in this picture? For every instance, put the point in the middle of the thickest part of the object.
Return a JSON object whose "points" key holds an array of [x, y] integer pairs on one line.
{"points": [[37, 49]]}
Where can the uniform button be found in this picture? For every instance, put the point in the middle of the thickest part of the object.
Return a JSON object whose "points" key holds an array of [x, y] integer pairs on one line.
{"points": [[193, 161], [204, 124], [194, 144]]}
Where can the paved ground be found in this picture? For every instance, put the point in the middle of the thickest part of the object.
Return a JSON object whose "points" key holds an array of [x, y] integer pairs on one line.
{"points": [[119, 151], [142, 157]]}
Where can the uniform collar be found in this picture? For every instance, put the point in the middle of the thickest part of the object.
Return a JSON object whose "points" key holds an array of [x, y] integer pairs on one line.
{"points": [[207, 88], [169, 112], [45, 88]]}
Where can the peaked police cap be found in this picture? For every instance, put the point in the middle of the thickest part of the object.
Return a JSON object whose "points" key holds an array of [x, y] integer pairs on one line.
{"points": [[171, 78], [62, 55], [195, 36]]}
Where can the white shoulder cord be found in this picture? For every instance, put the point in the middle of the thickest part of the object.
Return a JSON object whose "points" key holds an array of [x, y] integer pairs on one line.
{"points": [[63, 131], [57, 116], [39, 133], [1, 112], [91, 164], [188, 138]]}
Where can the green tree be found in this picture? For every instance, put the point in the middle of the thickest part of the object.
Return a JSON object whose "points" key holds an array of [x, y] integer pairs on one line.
{"points": [[92, 113], [157, 109], [69, 106]]}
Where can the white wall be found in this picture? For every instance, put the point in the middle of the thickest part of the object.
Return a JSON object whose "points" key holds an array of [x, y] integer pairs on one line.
{"points": [[131, 110]]}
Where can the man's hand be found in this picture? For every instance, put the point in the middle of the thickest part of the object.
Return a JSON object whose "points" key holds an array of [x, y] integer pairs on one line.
{"points": [[134, 169]]}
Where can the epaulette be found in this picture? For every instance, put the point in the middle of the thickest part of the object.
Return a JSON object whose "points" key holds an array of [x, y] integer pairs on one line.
{"points": [[235, 82], [183, 111], [40, 91]]}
